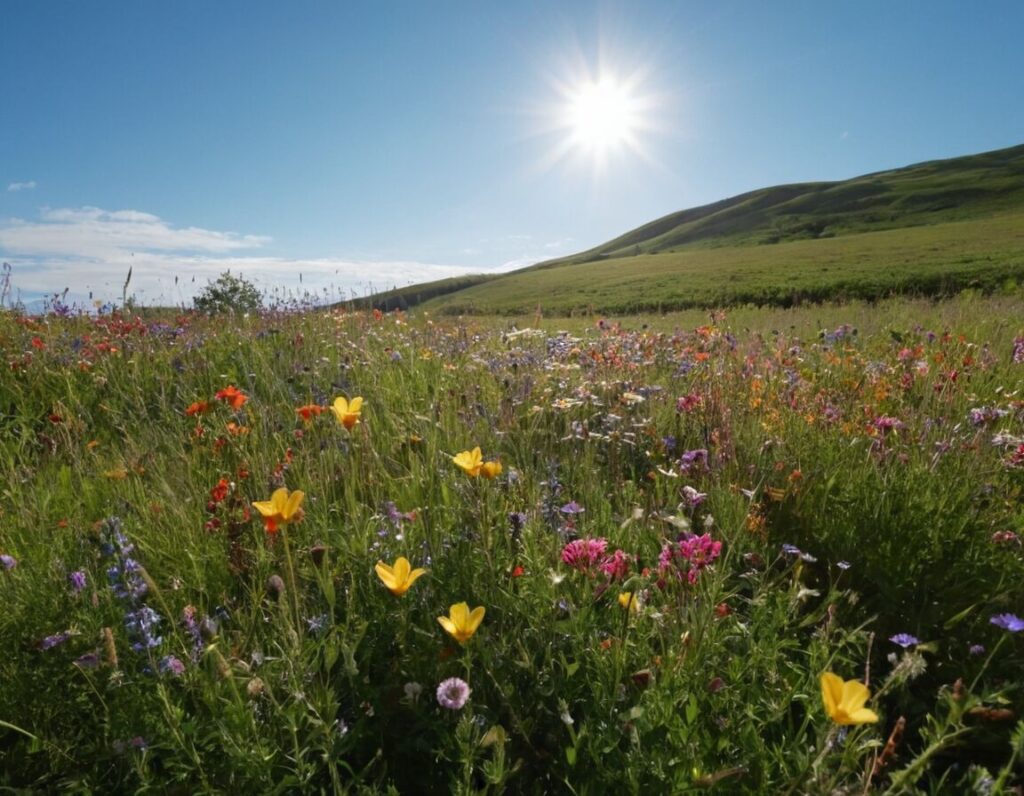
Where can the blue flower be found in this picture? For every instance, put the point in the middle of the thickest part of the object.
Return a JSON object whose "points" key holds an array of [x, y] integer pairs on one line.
{"points": [[1010, 622], [905, 640]]}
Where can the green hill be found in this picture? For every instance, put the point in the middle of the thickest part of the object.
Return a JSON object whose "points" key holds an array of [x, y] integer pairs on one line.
{"points": [[929, 228]]}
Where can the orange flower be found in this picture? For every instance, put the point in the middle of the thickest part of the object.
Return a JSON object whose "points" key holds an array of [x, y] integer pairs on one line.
{"points": [[236, 430], [232, 395], [308, 412], [198, 408]]}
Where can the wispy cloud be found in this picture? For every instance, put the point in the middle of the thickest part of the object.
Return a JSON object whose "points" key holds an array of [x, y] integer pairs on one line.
{"points": [[89, 250], [14, 187]]}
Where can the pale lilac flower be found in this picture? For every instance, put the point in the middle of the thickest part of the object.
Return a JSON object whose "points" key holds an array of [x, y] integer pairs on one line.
{"points": [[572, 507], [905, 640], [692, 498], [9, 562], [171, 665], [453, 693], [976, 649]]}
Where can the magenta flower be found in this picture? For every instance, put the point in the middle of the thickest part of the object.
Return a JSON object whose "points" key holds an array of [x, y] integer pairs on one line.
{"points": [[453, 693], [582, 554], [616, 566], [689, 557]]}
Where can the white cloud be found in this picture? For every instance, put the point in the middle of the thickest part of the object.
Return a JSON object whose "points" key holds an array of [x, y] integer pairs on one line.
{"points": [[89, 250], [21, 186]]}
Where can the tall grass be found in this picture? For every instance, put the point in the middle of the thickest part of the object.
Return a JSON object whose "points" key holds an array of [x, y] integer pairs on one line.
{"points": [[854, 493]]}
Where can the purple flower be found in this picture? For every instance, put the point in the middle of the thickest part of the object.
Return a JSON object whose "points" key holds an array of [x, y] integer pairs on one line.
{"points": [[572, 507], [77, 580], [844, 565], [1010, 622], [694, 460], [171, 665], [976, 649], [9, 562], [55, 640], [88, 661], [790, 550], [905, 640], [453, 693]]}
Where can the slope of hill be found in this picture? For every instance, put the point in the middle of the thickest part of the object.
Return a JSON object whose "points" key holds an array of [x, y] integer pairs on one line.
{"points": [[931, 228], [925, 193]]}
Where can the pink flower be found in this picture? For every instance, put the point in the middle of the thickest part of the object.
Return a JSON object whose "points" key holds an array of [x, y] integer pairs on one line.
{"points": [[453, 693], [582, 554], [616, 566]]}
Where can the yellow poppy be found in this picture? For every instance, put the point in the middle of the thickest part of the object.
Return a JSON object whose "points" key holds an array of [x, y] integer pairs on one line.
{"points": [[347, 411], [462, 623], [844, 701], [469, 461], [399, 577], [281, 509], [490, 470]]}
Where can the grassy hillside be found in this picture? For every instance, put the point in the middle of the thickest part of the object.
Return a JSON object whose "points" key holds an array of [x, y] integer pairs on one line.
{"points": [[930, 260], [926, 193], [933, 228]]}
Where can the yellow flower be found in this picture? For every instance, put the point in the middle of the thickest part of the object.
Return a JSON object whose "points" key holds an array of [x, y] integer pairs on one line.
{"points": [[844, 702], [469, 461], [628, 600], [461, 622], [472, 464], [400, 577], [281, 509], [347, 412], [490, 470]]}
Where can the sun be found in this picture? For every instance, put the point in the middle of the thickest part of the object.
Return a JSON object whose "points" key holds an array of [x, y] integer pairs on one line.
{"points": [[601, 115]]}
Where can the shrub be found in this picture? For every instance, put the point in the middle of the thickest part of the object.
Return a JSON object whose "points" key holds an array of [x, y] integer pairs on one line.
{"points": [[229, 294]]}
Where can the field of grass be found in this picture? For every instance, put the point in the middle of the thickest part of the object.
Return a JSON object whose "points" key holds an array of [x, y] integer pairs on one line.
{"points": [[931, 260], [696, 518]]}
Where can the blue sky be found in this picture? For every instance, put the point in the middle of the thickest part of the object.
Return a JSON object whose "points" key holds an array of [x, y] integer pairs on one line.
{"points": [[372, 144]]}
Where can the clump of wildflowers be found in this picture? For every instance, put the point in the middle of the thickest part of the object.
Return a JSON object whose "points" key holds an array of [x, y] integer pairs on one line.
{"points": [[688, 557]]}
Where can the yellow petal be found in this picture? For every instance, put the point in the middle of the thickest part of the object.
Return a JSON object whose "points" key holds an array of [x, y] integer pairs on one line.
{"points": [[855, 694], [280, 499], [293, 503], [459, 613], [447, 624], [386, 574], [340, 406], [863, 716], [831, 692], [265, 507], [413, 576], [474, 620], [401, 569], [356, 406]]}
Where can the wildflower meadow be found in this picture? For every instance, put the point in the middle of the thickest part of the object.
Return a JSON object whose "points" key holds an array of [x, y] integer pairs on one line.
{"points": [[330, 550]]}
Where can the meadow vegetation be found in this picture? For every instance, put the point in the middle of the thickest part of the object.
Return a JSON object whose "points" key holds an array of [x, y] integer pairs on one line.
{"points": [[754, 551]]}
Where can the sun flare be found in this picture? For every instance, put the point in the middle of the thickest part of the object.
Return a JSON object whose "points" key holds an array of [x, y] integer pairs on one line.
{"points": [[601, 115]]}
